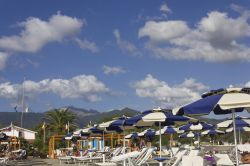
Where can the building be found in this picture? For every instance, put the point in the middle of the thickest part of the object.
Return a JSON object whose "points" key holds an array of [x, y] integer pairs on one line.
{"points": [[15, 131]]}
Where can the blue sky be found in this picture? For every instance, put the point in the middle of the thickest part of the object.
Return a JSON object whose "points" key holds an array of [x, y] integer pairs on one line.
{"points": [[114, 54]]}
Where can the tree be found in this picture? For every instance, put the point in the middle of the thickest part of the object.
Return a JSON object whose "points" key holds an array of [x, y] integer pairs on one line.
{"points": [[58, 119]]}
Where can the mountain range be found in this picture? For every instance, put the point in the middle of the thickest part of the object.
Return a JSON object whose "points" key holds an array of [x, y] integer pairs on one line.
{"points": [[84, 117]]}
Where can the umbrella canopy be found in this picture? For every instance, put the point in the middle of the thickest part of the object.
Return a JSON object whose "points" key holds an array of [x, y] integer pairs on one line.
{"points": [[116, 124], [150, 117], [190, 134], [221, 101], [239, 122], [196, 126], [238, 129], [212, 132], [147, 132], [132, 136], [169, 130]]}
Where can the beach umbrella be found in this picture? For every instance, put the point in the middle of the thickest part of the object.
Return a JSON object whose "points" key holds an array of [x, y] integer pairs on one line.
{"points": [[3, 136], [132, 136], [189, 134], [221, 101], [169, 130], [155, 116], [240, 121], [239, 129], [118, 125], [212, 132], [196, 126], [148, 134]]}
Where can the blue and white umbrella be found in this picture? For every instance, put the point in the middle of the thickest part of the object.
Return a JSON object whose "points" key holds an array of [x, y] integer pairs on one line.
{"points": [[169, 130], [212, 132], [239, 122], [132, 136], [196, 126], [238, 129], [190, 134], [155, 116], [222, 101]]}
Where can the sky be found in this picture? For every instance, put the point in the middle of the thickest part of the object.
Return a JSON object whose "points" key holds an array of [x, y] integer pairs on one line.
{"points": [[113, 54]]}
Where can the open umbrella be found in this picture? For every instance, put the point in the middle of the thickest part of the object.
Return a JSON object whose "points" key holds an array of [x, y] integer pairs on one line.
{"points": [[155, 116], [196, 126], [169, 130], [222, 101], [212, 132]]}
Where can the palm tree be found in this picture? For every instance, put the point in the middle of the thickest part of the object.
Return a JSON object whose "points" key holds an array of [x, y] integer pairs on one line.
{"points": [[59, 118]]}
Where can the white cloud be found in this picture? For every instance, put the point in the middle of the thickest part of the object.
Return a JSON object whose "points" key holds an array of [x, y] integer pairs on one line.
{"points": [[216, 38], [87, 45], [126, 46], [37, 33], [163, 31], [167, 95], [86, 87], [113, 70], [3, 59], [165, 9]]}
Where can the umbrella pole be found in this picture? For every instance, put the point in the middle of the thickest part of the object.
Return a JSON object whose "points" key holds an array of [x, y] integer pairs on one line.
{"points": [[103, 142], [235, 138], [160, 137]]}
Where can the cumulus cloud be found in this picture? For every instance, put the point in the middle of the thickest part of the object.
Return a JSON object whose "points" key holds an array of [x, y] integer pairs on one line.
{"points": [[166, 95], [215, 38], [36, 33], [113, 70], [126, 46], [164, 8], [87, 45], [86, 87]]}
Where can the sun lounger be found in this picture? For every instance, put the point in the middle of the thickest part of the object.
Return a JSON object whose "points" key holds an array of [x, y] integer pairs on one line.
{"points": [[65, 159], [192, 161], [4, 160], [177, 158], [223, 159]]}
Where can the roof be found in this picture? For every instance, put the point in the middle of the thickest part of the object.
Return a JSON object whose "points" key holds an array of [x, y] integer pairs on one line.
{"points": [[17, 128]]}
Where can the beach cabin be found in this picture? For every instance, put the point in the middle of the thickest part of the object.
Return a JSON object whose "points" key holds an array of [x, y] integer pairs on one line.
{"points": [[15, 131]]}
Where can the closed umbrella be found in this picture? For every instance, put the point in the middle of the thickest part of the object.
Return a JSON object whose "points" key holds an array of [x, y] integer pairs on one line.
{"points": [[222, 101]]}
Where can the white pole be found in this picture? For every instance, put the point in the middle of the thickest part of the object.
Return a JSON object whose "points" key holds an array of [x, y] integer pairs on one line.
{"points": [[103, 141], [22, 102], [235, 138], [160, 137]]}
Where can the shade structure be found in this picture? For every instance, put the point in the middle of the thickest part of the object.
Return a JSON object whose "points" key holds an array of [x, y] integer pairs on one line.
{"points": [[221, 101], [159, 116], [147, 132], [169, 130], [196, 126], [238, 129], [239, 122], [190, 134], [132, 136], [69, 136], [212, 132]]}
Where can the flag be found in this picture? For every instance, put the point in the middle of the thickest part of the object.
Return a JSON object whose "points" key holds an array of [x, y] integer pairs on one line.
{"points": [[44, 125]]}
